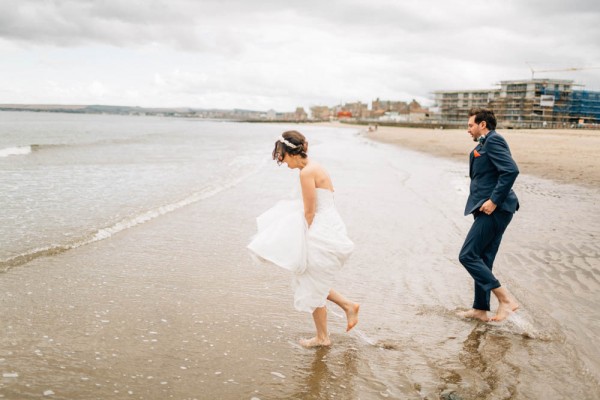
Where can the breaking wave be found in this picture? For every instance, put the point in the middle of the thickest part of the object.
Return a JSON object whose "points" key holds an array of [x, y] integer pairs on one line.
{"points": [[15, 151]]}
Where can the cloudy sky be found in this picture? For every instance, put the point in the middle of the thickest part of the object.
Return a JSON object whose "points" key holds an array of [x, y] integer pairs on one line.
{"points": [[263, 54]]}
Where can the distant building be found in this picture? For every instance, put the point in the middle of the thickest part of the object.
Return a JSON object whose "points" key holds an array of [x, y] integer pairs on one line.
{"points": [[383, 106], [245, 114], [321, 113], [417, 113], [585, 106], [271, 114], [358, 109], [454, 105], [394, 116], [295, 116], [534, 102], [344, 114], [524, 103], [300, 114], [398, 111]]}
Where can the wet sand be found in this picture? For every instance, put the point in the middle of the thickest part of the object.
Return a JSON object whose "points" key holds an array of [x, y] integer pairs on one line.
{"points": [[174, 308], [563, 155]]}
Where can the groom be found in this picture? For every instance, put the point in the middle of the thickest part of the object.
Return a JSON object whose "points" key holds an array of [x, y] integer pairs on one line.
{"points": [[492, 203]]}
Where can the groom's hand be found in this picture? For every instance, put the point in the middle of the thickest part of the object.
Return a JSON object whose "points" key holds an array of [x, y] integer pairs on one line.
{"points": [[488, 207]]}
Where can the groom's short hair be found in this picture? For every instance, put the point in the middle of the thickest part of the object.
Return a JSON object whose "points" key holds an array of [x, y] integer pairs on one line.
{"points": [[482, 114]]}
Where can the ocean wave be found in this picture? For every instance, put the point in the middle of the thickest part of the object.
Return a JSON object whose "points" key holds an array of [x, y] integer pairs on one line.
{"points": [[28, 149], [15, 151], [126, 223]]}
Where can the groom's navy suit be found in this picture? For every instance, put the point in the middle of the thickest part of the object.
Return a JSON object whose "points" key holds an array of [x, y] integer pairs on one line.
{"points": [[493, 172]]}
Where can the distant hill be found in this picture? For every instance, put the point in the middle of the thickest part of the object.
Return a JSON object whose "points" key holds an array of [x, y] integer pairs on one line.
{"points": [[235, 114], [94, 109], [41, 107]]}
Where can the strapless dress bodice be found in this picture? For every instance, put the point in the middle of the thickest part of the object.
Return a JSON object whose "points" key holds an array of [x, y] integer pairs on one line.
{"points": [[324, 199]]}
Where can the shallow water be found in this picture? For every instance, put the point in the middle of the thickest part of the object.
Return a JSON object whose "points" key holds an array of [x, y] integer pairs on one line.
{"points": [[174, 307]]}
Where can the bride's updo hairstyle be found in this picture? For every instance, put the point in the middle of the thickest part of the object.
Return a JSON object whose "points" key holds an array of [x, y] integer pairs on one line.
{"points": [[292, 143]]}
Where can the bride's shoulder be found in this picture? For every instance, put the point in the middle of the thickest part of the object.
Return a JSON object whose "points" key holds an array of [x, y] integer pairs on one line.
{"points": [[315, 165], [313, 168]]}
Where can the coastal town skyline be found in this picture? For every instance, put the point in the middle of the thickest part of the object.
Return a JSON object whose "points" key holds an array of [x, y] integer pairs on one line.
{"points": [[358, 110]]}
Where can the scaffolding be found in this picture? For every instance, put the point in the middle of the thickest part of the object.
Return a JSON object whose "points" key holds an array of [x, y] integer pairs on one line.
{"points": [[585, 105], [534, 103], [531, 103]]}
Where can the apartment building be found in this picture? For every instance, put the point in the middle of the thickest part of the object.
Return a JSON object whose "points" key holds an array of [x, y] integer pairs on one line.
{"points": [[534, 102], [524, 103], [454, 105]]}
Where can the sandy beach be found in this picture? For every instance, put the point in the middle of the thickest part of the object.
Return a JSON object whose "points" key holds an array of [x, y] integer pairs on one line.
{"points": [[563, 155], [170, 305]]}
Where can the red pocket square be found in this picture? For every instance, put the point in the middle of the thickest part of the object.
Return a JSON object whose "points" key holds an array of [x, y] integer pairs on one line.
{"points": [[476, 153]]}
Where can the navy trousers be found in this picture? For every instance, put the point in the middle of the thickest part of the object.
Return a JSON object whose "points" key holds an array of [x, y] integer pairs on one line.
{"points": [[479, 251]]}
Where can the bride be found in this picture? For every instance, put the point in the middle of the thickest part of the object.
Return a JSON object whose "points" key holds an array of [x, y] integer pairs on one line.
{"points": [[308, 239]]}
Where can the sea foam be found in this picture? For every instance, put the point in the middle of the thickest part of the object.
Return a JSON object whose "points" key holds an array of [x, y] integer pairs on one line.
{"points": [[15, 151]]}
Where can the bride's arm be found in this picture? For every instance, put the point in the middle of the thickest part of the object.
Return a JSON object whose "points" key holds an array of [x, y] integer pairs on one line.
{"points": [[309, 195]]}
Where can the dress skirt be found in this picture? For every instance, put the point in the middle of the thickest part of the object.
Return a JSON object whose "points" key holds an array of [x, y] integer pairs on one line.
{"points": [[314, 255]]}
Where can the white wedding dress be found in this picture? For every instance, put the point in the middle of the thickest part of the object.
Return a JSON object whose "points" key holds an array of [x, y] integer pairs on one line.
{"points": [[314, 254]]}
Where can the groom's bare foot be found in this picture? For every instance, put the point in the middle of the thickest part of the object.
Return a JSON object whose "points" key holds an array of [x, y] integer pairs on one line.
{"points": [[474, 314], [504, 310], [352, 316], [315, 342]]}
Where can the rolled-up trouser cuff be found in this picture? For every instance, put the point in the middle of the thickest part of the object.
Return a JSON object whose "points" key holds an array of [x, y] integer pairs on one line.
{"points": [[490, 286]]}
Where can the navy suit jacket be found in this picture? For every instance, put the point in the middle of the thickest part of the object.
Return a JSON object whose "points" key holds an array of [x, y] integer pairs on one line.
{"points": [[493, 174]]}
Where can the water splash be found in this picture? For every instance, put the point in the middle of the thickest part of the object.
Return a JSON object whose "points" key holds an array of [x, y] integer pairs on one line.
{"points": [[521, 323]]}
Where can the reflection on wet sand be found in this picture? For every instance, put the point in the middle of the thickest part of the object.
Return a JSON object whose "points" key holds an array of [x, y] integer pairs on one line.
{"points": [[318, 376], [343, 371], [484, 354]]}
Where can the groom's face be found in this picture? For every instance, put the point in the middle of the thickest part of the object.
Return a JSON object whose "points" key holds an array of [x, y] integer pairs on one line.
{"points": [[475, 129]]}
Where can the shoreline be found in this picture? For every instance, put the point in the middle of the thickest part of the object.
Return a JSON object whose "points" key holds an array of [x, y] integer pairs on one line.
{"points": [[562, 155]]}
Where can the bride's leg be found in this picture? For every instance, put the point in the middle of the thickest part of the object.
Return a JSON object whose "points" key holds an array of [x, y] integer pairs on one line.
{"points": [[322, 338], [349, 307]]}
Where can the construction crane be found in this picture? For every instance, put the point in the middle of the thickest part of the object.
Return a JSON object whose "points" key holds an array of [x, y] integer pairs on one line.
{"points": [[557, 70]]}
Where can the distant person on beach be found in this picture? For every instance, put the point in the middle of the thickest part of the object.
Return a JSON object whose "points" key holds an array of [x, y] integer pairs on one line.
{"points": [[307, 237], [492, 202]]}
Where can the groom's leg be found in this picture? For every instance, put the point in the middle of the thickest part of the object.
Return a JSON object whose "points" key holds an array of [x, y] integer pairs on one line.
{"points": [[481, 235], [482, 297], [502, 219]]}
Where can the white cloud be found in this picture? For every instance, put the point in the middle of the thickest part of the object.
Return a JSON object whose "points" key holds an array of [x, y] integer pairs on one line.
{"points": [[97, 89], [272, 54]]}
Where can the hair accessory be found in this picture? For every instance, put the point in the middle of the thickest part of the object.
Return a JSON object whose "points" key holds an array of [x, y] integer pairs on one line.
{"points": [[288, 143]]}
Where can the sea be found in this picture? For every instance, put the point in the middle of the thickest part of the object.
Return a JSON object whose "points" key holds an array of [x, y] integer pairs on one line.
{"points": [[124, 271]]}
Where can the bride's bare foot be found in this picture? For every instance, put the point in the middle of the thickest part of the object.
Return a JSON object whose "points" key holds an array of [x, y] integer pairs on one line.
{"points": [[352, 316], [474, 314], [504, 310], [315, 342]]}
